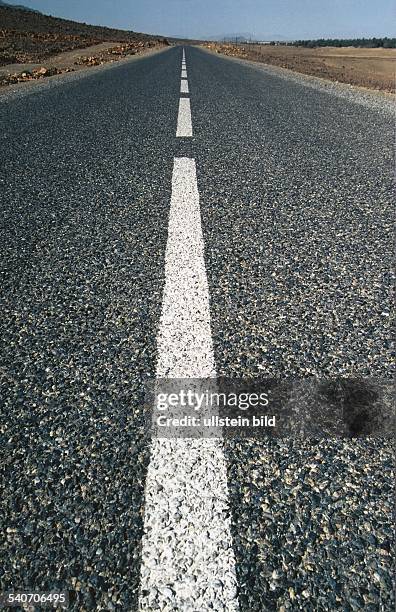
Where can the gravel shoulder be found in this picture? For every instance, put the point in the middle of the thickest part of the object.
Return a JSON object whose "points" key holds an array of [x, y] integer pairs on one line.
{"points": [[372, 68], [64, 60], [73, 61], [380, 101], [23, 88]]}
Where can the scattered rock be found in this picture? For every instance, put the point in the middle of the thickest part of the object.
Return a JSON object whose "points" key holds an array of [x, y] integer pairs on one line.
{"points": [[41, 71]]}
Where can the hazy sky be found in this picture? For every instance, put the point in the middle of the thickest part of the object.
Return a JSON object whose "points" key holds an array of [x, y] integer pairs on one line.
{"points": [[204, 18]]}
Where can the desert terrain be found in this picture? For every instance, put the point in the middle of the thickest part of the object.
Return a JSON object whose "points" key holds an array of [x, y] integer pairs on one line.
{"points": [[371, 68], [34, 46]]}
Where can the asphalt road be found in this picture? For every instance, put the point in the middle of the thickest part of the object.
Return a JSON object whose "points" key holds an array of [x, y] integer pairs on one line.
{"points": [[295, 188]]}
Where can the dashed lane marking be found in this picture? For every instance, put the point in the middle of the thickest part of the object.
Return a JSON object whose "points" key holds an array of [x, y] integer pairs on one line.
{"points": [[187, 556], [184, 123]]}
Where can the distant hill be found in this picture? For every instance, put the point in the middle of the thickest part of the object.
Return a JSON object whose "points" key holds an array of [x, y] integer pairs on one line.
{"points": [[20, 7], [31, 37], [12, 18], [242, 37]]}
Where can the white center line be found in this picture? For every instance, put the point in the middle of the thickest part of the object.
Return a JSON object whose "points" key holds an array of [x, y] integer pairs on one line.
{"points": [[184, 86], [187, 556], [184, 73], [184, 124]]}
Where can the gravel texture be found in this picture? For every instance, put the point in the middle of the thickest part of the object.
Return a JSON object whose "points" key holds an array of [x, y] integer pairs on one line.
{"points": [[296, 199], [85, 188], [295, 194], [21, 89], [312, 524], [382, 102]]}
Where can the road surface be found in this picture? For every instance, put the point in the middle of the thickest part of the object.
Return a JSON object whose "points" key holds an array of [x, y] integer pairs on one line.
{"points": [[161, 219]]}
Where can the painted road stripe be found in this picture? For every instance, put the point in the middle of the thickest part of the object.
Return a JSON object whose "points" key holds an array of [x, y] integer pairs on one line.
{"points": [[187, 556], [184, 86], [184, 73], [184, 124]]}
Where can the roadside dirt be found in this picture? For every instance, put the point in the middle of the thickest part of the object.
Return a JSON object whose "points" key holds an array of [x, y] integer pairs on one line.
{"points": [[35, 46], [370, 68], [72, 61]]}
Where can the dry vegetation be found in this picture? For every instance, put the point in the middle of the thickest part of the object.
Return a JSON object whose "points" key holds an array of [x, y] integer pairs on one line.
{"points": [[371, 68]]}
